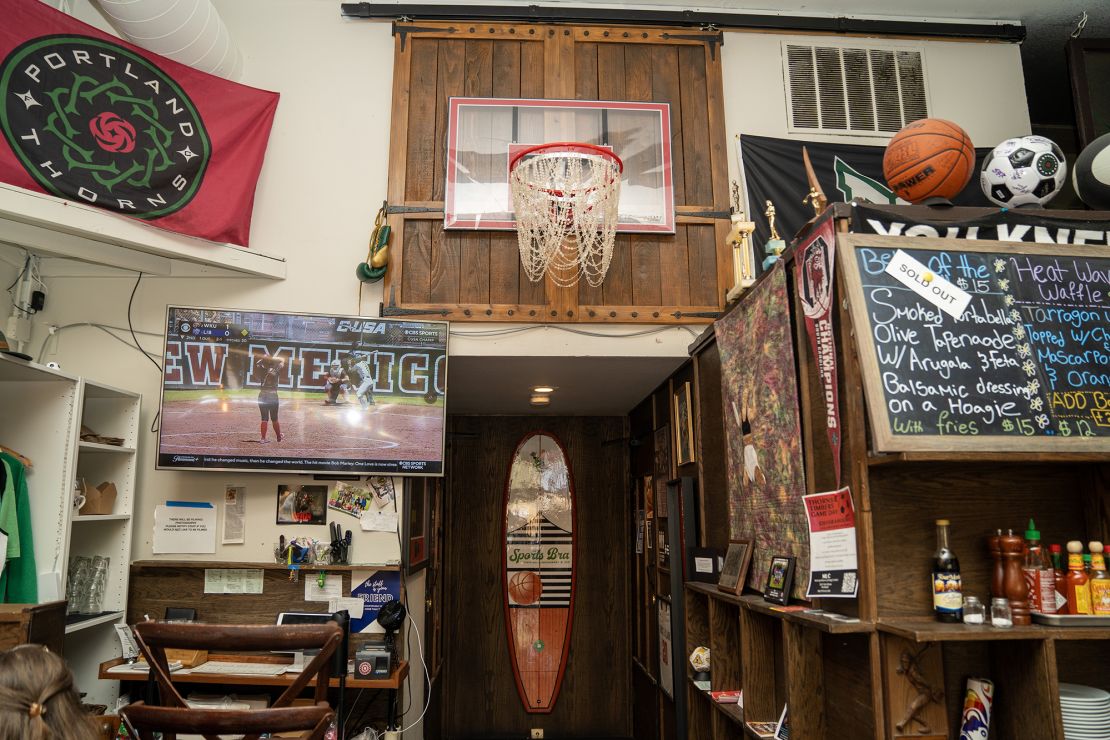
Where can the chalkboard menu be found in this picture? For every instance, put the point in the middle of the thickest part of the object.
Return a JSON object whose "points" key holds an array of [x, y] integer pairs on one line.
{"points": [[980, 345]]}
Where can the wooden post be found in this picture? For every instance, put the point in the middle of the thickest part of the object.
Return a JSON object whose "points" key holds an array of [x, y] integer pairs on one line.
{"points": [[805, 680]]}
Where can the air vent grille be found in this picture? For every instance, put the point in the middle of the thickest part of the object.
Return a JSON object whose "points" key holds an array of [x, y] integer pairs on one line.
{"points": [[855, 90]]}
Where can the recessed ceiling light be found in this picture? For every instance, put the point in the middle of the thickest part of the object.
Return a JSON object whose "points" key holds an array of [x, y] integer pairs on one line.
{"points": [[539, 400], [543, 389]]}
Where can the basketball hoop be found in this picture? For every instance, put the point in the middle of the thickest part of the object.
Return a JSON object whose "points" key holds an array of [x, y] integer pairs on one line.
{"points": [[565, 199]]}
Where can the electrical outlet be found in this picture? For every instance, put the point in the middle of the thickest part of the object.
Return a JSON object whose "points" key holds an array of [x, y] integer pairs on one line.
{"points": [[537, 733]]}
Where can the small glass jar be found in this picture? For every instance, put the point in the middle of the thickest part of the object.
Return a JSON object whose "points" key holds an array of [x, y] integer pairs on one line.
{"points": [[1001, 616], [974, 611]]}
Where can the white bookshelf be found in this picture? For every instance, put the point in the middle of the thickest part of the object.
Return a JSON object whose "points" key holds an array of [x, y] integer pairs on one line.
{"points": [[106, 618], [44, 410]]}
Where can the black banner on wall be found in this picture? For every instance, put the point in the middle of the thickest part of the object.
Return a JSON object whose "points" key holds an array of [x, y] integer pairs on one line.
{"points": [[774, 170], [1003, 226]]}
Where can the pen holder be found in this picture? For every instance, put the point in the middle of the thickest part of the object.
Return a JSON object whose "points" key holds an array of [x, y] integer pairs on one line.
{"points": [[300, 551]]}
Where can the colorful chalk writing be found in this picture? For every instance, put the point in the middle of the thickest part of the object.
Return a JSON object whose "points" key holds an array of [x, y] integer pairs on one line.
{"points": [[1030, 355]]}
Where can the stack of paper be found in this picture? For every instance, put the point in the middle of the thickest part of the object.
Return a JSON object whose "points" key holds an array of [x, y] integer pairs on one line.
{"points": [[141, 667]]}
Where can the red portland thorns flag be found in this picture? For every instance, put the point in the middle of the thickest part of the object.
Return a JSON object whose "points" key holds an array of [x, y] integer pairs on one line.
{"points": [[94, 119]]}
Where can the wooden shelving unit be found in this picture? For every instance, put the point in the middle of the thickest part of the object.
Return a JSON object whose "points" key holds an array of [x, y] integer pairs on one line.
{"points": [[839, 664]]}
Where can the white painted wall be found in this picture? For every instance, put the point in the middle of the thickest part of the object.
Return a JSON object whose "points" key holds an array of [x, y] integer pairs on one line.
{"points": [[978, 85], [323, 180]]}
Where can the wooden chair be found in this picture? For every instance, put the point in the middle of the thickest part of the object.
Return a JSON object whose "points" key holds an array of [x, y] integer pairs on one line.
{"points": [[175, 716]]}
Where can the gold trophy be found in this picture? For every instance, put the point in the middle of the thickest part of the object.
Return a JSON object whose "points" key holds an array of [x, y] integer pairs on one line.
{"points": [[743, 252], [816, 196], [775, 245]]}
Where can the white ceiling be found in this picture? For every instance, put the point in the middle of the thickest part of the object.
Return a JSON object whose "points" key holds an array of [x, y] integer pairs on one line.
{"points": [[585, 386]]}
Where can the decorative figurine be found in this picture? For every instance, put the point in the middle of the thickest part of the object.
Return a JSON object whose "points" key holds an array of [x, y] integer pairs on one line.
{"points": [[775, 245], [926, 694], [816, 196], [815, 199]]}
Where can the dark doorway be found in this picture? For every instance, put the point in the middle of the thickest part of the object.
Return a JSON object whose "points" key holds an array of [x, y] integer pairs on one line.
{"points": [[479, 696]]}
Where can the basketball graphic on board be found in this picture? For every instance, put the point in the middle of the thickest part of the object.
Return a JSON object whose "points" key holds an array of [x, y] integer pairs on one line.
{"points": [[525, 587], [930, 158]]}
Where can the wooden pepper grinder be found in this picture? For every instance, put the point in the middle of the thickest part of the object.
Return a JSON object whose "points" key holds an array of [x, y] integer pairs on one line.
{"points": [[1016, 589], [998, 575]]}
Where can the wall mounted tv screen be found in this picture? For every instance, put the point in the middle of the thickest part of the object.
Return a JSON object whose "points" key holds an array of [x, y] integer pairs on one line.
{"points": [[302, 393]]}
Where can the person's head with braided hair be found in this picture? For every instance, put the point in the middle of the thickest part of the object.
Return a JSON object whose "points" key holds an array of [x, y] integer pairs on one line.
{"points": [[37, 698]]}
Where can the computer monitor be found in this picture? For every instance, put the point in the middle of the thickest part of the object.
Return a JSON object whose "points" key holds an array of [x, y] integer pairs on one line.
{"points": [[304, 618], [340, 618]]}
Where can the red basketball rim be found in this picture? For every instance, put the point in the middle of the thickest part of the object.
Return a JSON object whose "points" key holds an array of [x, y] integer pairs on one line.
{"points": [[566, 147]]}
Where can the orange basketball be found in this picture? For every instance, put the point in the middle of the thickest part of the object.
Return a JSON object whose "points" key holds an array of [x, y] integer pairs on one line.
{"points": [[930, 158], [525, 587]]}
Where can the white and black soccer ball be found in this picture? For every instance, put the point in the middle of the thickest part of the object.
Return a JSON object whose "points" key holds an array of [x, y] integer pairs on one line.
{"points": [[1091, 174], [1024, 171]]}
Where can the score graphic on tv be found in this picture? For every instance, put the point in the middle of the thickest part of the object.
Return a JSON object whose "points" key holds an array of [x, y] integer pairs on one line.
{"points": [[262, 390]]}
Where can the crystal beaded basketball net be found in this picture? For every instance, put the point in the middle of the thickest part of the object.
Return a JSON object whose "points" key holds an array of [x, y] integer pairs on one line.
{"points": [[565, 201]]}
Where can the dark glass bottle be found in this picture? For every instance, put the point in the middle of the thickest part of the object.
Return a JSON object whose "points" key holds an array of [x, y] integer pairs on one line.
{"points": [[948, 600]]}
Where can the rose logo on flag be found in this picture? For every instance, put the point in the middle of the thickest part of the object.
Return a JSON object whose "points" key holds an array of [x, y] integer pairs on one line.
{"points": [[112, 133], [91, 120]]}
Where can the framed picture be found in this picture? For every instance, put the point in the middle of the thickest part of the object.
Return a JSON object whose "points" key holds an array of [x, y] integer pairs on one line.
{"points": [[683, 425], [417, 524], [662, 467], [780, 577], [350, 499], [734, 572], [485, 134], [703, 564], [1089, 68], [302, 504]]}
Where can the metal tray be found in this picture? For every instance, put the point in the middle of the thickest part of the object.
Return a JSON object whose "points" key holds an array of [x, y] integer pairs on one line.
{"points": [[1072, 620]]}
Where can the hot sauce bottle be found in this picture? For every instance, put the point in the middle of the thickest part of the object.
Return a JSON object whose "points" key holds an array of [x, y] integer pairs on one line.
{"points": [[1100, 580], [948, 597], [1039, 575], [1059, 572], [1078, 588]]}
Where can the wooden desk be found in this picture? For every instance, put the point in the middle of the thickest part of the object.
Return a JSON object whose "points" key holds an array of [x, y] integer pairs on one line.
{"points": [[393, 682]]}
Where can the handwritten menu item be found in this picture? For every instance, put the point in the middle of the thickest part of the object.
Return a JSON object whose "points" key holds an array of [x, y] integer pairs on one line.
{"points": [[1024, 366]]}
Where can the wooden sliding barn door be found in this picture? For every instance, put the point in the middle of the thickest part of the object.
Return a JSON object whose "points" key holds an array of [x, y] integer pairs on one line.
{"points": [[476, 275]]}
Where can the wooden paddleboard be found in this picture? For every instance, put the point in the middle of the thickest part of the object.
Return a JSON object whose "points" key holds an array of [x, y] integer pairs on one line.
{"points": [[538, 582]]}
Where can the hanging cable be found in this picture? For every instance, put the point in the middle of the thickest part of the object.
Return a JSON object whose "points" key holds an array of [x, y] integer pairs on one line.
{"points": [[411, 628], [131, 327], [102, 327]]}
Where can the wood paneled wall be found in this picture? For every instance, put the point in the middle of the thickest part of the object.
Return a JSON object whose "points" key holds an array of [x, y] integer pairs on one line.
{"points": [[480, 697], [476, 275]]}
